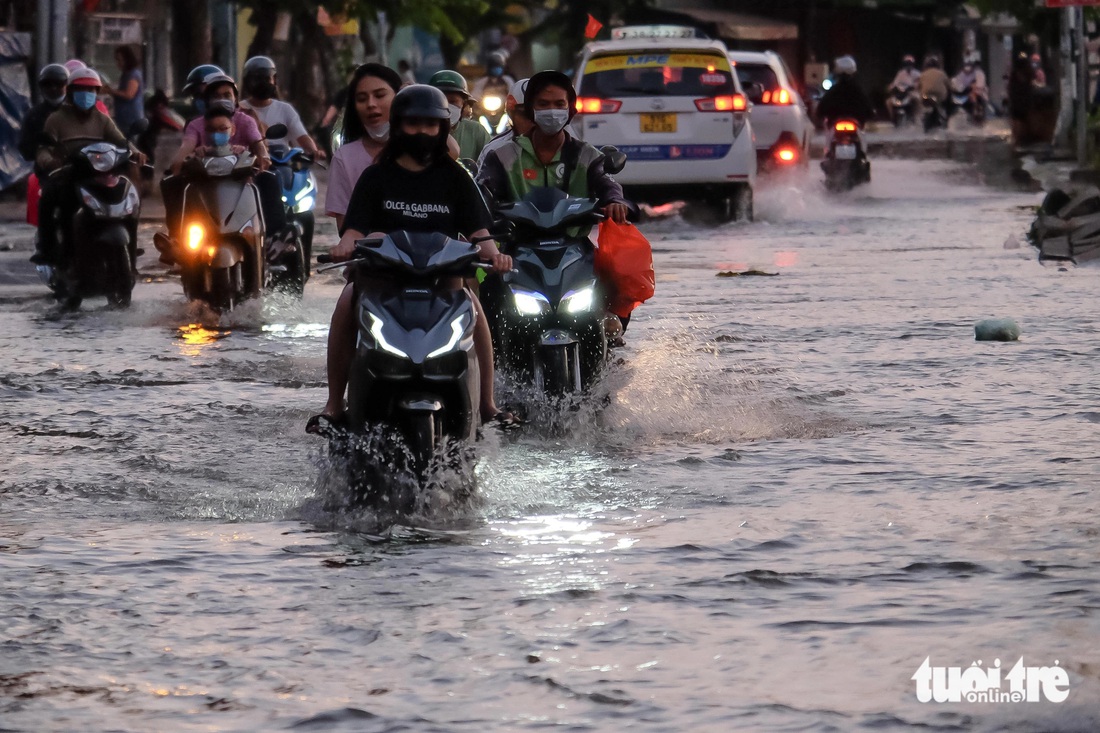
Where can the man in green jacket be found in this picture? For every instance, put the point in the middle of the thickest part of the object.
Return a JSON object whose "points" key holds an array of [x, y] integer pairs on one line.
{"points": [[470, 136]]}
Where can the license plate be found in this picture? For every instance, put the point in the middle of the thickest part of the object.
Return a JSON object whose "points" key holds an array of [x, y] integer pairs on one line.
{"points": [[845, 152], [658, 121]]}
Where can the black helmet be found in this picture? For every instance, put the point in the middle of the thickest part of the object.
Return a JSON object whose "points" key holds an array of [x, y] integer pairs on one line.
{"points": [[544, 79], [53, 73], [258, 64], [197, 75], [419, 100]]}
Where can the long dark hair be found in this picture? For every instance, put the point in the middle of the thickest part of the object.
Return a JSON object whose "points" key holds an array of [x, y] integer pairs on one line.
{"points": [[129, 58], [353, 126]]}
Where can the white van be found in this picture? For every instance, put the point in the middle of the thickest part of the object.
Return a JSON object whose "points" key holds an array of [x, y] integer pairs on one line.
{"points": [[672, 103]]}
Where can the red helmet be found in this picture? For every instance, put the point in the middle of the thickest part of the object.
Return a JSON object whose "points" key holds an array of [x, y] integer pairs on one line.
{"points": [[84, 78]]}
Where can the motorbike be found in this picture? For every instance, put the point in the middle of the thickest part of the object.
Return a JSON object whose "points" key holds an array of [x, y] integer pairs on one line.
{"points": [[547, 317], [974, 112], [493, 115], [101, 237], [292, 167], [845, 165], [934, 114], [414, 381], [221, 257], [902, 105]]}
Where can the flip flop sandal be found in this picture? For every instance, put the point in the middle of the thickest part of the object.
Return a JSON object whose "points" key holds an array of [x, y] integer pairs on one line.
{"points": [[325, 426]]}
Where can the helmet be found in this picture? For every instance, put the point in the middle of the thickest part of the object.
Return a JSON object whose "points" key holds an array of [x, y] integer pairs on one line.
{"points": [[544, 79], [496, 58], [84, 78], [258, 64], [908, 60], [197, 75], [419, 100], [53, 73], [1036, 58], [73, 64], [450, 81], [845, 65], [518, 91], [219, 77]]}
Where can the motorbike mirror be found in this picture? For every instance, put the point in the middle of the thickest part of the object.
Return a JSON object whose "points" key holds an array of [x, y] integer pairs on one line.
{"points": [[276, 131], [614, 160], [139, 127]]}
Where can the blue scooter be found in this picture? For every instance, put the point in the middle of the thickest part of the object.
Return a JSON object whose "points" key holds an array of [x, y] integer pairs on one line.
{"points": [[299, 186]]}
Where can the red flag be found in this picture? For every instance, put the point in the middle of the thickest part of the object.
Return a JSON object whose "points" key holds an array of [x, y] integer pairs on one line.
{"points": [[592, 27]]}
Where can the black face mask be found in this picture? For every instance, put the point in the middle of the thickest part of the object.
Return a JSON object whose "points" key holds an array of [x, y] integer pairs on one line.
{"points": [[420, 147], [264, 90]]}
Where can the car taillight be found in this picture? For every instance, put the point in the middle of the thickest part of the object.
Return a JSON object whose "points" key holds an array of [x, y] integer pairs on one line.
{"points": [[723, 103], [779, 96], [786, 155], [597, 106], [845, 126]]}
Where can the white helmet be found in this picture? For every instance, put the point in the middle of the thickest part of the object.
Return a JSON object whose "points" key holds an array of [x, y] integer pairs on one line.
{"points": [[519, 90], [844, 65], [84, 78]]}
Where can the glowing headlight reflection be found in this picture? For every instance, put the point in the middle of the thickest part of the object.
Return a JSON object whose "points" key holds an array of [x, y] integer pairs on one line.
{"points": [[529, 303], [457, 329], [376, 331], [579, 301]]}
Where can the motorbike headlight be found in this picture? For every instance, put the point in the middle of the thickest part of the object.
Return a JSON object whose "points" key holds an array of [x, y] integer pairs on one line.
{"points": [[303, 205], [131, 203], [376, 332], [195, 235], [306, 190], [102, 161], [93, 204], [530, 303], [491, 103], [457, 329], [579, 301]]}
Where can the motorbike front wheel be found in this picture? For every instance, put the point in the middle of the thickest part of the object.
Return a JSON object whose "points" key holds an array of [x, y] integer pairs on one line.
{"points": [[122, 277], [222, 295]]}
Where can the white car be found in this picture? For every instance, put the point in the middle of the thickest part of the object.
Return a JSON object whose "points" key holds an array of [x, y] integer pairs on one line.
{"points": [[672, 103], [782, 125]]}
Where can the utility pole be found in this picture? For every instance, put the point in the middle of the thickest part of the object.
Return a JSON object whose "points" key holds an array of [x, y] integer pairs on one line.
{"points": [[51, 32], [1082, 89]]}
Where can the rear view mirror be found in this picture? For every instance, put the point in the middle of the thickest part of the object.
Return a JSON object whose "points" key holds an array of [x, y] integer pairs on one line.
{"points": [[276, 131], [614, 159]]}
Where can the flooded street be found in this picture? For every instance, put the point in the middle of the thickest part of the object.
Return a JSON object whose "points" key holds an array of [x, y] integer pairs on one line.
{"points": [[802, 487]]}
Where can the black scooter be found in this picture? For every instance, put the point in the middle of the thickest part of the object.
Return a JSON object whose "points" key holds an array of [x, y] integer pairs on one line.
{"points": [[547, 317], [414, 386], [102, 234], [845, 165]]}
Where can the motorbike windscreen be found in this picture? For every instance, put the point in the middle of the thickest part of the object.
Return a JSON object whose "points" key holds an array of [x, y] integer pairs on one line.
{"points": [[685, 74]]}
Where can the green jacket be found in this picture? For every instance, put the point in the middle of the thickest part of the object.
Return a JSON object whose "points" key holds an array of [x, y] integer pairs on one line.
{"points": [[471, 138]]}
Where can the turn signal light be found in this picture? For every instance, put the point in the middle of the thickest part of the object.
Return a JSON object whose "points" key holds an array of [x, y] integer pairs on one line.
{"points": [[845, 126], [596, 106], [194, 237], [723, 103]]}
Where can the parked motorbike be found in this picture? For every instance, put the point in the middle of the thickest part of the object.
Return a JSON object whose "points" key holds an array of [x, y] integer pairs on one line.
{"points": [[292, 166], [934, 114], [547, 317], [101, 236], [222, 253], [902, 105], [975, 112], [845, 165], [414, 378]]}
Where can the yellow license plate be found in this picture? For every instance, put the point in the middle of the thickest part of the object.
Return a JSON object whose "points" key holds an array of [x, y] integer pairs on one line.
{"points": [[658, 122]]}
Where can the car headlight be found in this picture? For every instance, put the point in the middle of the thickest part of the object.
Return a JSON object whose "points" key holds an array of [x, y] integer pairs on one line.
{"points": [[579, 301], [530, 303]]}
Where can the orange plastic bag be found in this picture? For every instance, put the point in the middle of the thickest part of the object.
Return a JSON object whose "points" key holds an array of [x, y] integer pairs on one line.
{"points": [[624, 264], [33, 194]]}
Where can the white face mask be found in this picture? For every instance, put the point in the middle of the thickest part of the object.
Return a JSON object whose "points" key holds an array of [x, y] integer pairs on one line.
{"points": [[456, 114], [380, 132], [551, 121]]}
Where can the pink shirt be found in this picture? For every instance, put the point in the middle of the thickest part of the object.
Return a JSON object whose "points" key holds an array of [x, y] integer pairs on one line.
{"points": [[245, 130], [348, 163]]}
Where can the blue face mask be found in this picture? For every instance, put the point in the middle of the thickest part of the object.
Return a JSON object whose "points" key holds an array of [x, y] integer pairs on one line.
{"points": [[200, 105], [84, 100], [496, 70], [220, 139]]}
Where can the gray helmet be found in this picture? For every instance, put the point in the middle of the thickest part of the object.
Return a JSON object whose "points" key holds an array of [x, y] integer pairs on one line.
{"points": [[258, 64], [53, 73], [219, 78]]}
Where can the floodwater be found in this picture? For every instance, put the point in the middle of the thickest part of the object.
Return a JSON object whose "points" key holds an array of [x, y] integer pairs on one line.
{"points": [[802, 487]]}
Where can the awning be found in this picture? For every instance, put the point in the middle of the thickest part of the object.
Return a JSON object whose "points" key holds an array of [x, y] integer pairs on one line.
{"points": [[742, 27]]}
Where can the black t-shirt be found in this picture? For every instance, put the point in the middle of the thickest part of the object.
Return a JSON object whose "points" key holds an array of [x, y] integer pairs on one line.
{"points": [[440, 198]]}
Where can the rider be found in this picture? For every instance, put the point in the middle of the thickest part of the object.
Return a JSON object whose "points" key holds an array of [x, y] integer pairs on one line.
{"points": [[470, 136], [495, 80], [908, 75], [415, 185], [261, 96], [845, 97], [517, 113], [934, 84], [76, 123], [196, 84], [971, 81], [51, 82]]}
